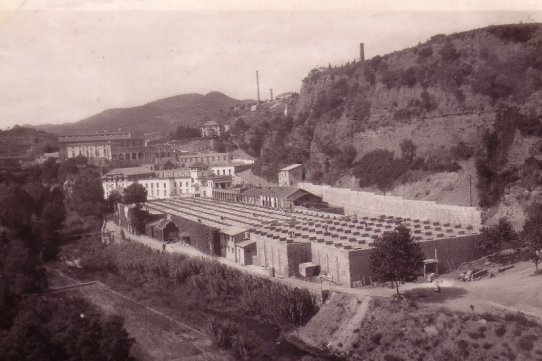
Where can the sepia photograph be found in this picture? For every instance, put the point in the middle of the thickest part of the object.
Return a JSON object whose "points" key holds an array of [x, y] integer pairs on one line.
{"points": [[235, 180]]}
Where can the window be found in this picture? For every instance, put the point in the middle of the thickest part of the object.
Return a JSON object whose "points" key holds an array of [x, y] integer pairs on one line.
{"points": [[152, 185], [164, 185], [164, 192], [229, 171]]}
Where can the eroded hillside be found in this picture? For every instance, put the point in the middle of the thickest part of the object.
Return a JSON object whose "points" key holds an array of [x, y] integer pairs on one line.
{"points": [[456, 119]]}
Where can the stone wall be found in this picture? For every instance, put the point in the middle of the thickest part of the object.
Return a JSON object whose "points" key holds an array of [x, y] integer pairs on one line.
{"points": [[370, 204]]}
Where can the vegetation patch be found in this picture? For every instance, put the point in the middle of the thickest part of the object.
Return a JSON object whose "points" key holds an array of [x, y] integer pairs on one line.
{"points": [[454, 336]]}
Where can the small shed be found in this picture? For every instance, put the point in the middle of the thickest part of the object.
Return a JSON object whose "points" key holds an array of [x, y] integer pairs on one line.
{"points": [[246, 252], [309, 269], [166, 231]]}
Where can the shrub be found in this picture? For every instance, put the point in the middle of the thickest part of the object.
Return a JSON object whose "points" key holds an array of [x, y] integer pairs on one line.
{"points": [[390, 78], [448, 52], [392, 357], [376, 338], [222, 333], [520, 319], [462, 151], [526, 342], [519, 33], [500, 331], [360, 110], [424, 53], [369, 75], [216, 283], [379, 168]]}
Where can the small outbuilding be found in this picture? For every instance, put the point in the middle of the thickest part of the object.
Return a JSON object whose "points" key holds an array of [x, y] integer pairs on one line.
{"points": [[164, 230], [246, 252], [309, 269], [229, 237]]}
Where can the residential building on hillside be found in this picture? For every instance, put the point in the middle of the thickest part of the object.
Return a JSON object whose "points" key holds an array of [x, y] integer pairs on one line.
{"points": [[291, 175], [211, 129]]}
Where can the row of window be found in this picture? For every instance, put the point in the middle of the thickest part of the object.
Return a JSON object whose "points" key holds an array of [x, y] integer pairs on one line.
{"points": [[128, 156], [223, 172], [86, 152], [152, 192], [152, 185], [201, 159]]}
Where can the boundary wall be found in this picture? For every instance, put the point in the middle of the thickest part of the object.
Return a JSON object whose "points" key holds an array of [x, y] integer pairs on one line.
{"points": [[370, 204]]}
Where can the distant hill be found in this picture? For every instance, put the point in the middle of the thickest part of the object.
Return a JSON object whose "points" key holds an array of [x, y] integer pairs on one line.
{"points": [[158, 117]]}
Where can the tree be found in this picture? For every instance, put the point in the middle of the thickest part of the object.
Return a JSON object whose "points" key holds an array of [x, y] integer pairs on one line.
{"points": [[135, 193], [240, 126], [408, 149], [185, 132], [113, 198], [396, 257], [532, 234], [59, 328], [493, 239], [86, 194]]}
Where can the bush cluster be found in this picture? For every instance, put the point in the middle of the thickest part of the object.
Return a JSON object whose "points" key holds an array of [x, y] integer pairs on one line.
{"points": [[381, 168], [493, 174]]}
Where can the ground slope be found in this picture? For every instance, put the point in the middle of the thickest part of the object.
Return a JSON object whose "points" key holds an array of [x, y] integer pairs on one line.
{"points": [[454, 97]]}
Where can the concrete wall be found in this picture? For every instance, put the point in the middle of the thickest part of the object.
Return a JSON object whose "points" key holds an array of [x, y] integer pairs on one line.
{"points": [[283, 257], [333, 261], [452, 250], [370, 204]]}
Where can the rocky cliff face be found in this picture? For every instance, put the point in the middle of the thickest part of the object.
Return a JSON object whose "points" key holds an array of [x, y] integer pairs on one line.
{"points": [[471, 103]]}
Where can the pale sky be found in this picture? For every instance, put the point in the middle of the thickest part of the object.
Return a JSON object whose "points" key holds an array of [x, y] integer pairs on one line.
{"points": [[64, 60]]}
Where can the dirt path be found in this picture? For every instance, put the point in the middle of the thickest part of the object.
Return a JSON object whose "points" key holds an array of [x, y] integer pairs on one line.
{"points": [[158, 336], [335, 326]]}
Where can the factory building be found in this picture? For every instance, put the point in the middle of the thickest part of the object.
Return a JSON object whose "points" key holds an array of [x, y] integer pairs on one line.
{"points": [[340, 246], [104, 146]]}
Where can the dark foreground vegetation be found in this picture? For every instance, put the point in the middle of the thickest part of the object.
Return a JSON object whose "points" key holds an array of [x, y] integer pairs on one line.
{"points": [[41, 208], [241, 313]]}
